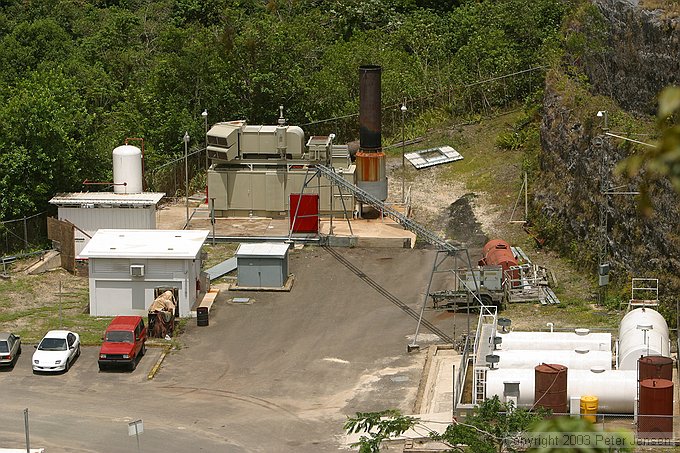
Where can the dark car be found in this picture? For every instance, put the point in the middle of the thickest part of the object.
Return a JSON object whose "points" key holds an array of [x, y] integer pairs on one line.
{"points": [[10, 348], [124, 342]]}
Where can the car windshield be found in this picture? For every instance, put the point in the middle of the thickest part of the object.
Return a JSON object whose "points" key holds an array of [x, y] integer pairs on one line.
{"points": [[3, 346], [120, 336], [52, 344]]}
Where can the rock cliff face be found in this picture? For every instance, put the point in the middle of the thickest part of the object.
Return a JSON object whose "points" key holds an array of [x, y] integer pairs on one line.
{"points": [[642, 56]]}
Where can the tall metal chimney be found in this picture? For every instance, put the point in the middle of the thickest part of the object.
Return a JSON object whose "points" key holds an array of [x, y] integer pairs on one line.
{"points": [[370, 159]]}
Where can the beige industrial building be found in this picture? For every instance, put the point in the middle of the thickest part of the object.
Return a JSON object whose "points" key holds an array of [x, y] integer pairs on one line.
{"points": [[255, 169]]}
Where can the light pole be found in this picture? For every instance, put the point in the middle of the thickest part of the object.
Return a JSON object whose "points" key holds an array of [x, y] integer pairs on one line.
{"points": [[205, 127], [403, 164], [186, 174]]}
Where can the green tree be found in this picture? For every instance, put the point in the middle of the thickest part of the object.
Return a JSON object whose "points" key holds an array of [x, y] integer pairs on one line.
{"points": [[491, 428], [44, 128]]}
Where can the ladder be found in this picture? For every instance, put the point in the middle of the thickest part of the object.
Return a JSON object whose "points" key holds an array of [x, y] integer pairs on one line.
{"points": [[395, 215]]}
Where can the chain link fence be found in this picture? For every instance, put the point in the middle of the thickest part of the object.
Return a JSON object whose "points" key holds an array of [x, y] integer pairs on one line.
{"points": [[24, 234]]}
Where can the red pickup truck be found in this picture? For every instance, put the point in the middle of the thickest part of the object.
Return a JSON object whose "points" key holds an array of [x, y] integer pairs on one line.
{"points": [[124, 342]]}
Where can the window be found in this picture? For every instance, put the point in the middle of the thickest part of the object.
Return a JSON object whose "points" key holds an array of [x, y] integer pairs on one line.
{"points": [[52, 344], [4, 347], [120, 336]]}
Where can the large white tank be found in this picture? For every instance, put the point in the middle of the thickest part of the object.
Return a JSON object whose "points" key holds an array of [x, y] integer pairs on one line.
{"points": [[577, 360], [580, 339], [616, 389], [127, 169], [642, 332]]}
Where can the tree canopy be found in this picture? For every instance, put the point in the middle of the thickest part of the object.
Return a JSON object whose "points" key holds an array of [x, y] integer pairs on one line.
{"points": [[76, 78]]}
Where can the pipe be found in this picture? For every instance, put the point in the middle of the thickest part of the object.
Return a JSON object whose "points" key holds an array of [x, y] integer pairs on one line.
{"points": [[551, 325], [370, 113]]}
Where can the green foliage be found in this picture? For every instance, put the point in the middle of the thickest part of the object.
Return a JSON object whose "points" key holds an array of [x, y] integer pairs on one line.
{"points": [[79, 77], [623, 440], [662, 161], [490, 428], [379, 426]]}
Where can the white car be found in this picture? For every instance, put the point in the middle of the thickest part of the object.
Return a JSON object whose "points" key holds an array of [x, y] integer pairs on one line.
{"points": [[56, 351]]}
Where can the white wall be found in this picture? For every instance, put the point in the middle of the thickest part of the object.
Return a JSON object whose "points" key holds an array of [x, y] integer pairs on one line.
{"points": [[114, 292], [92, 219]]}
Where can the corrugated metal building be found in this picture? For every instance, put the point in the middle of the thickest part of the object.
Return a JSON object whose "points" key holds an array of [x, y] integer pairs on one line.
{"points": [[90, 211], [129, 268], [263, 265]]}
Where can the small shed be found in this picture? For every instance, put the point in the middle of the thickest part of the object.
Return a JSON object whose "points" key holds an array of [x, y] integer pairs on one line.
{"points": [[128, 269], [90, 211], [263, 265]]}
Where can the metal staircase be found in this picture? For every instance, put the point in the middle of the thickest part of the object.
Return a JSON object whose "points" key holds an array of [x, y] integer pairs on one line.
{"points": [[395, 215]]}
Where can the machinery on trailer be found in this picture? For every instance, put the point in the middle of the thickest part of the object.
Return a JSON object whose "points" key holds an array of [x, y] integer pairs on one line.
{"points": [[504, 275]]}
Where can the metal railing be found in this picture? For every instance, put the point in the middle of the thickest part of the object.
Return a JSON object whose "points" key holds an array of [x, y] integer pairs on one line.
{"points": [[387, 211]]}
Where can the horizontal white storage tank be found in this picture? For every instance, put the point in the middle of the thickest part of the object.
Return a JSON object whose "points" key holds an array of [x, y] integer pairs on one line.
{"points": [[581, 360], [616, 389], [642, 332], [579, 339]]}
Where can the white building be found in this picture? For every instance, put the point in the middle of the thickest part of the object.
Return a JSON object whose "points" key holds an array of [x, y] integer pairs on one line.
{"points": [[90, 211], [129, 268]]}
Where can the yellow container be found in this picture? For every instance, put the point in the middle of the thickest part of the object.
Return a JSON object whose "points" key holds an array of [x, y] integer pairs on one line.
{"points": [[589, 406]]}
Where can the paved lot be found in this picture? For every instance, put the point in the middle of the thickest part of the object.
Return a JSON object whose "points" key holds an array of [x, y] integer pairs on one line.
{"points": [[277, 375]]}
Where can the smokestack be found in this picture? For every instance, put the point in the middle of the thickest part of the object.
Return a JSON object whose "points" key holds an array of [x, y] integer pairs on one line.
{"points": [[370, 159], [370, 114]]}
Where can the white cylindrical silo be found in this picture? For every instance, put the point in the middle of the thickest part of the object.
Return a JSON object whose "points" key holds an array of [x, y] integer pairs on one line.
{"points": [[642, 332], [572, 359], [556, 340], [615, 389], [127, 169]]}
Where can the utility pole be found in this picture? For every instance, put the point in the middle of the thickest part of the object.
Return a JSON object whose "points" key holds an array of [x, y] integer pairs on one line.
{"points": [[205, 127], [186, 174], [403, 143], [28, 440]]}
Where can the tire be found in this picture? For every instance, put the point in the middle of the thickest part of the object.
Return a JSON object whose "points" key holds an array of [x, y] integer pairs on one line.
{"points": [[486, 300], [142, 351], [66, 367], [133, 364], [102, 367], [78, 352]]}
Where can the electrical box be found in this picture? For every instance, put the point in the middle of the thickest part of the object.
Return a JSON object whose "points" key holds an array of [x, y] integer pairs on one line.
{"points": [[137, 270]]}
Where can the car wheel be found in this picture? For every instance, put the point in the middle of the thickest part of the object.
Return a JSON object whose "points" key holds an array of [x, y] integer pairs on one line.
{"points": [[102, 367], [66, 366], [19, 351], [133, 364], [78, 351], [143, 350]]}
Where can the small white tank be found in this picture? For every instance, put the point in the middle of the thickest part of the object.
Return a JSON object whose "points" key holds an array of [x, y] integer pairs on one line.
{"points": [[127, 169]]}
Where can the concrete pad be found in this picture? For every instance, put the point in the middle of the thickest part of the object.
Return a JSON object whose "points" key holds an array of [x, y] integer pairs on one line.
{"points": [[50, 260]]}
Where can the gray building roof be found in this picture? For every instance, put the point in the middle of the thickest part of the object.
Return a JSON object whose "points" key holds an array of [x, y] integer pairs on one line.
{"points": [[262, 250]]}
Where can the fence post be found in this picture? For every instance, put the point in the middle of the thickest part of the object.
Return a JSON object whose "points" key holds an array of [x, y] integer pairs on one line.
{"points": [[25, 234]]}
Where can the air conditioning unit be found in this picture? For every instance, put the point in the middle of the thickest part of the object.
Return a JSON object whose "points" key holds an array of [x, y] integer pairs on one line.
{"points": [[137, 270]]}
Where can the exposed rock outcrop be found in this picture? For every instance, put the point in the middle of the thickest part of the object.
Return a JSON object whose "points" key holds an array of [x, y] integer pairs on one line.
{"points": [[641, 57]]}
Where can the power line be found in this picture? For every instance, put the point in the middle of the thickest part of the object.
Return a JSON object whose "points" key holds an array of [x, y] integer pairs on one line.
{"points": [[439, 93]]}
